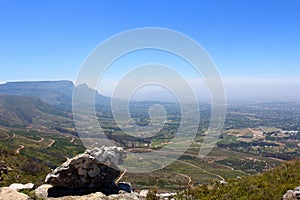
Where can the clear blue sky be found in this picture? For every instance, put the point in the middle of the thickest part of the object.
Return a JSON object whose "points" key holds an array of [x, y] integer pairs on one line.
{"points": [[50, 39]]}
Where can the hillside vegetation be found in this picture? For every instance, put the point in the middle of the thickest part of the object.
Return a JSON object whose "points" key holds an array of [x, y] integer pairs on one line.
{"points": [[58, 93], [272, 184], [20, 111], [16, 168]]}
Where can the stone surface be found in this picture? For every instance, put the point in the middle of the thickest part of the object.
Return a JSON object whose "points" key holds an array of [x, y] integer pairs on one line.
{"points": [[96, 168], [20, 186], [166, 195], [61, 191], [101, 196], [111, 156], [87, 176], [292, 194], [125, 186], [7, 193], [93, 196], [42, 191], [143, 193], [129, 196]]}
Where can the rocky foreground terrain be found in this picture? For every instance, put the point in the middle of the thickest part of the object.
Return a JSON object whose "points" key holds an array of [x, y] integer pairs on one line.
{"points": [[8, 193], [94, 175], [91, 175]]}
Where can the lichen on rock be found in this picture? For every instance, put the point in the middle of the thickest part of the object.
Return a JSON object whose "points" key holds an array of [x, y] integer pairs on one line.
{"points": [[94, 169]]}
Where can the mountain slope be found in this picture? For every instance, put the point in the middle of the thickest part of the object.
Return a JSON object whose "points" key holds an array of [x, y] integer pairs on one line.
{"points": [[21, 111], [20, 168], [271, 184], [57, 93]]}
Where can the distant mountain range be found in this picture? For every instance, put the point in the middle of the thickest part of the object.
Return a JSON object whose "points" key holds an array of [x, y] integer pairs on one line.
{"points": [[21, 111], [56, 93]]}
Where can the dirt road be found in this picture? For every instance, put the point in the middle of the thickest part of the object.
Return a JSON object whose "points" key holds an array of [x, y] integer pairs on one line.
{"points": [[18, 150]]}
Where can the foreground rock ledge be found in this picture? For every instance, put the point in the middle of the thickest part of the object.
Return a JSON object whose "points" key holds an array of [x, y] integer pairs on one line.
{"points": [[7, 193], [94, 170]]}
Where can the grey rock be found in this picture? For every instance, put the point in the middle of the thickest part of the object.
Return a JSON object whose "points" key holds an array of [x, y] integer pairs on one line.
{"points": [[125, 186], [111, 156], [42, 191], [143, 193], [96, 168], [166, 195], [20, 186], [93, 196], [7, 193], [125, 196], [292, 195]]}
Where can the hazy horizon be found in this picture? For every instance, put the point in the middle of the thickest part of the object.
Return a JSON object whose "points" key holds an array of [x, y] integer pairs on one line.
{"points": [[249, 90], [255, 45]]}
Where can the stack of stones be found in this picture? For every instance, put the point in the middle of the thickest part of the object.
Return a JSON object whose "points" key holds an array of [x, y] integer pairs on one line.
{"points": [[90, 175], [93, 171]]}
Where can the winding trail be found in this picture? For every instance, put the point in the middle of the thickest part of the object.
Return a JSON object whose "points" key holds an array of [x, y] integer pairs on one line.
{"points": [[18, 150], [195, 166], [189, 184], [67, 158], [51, 143], [37, 141], [121, 176], [7, 136], [277, 159], [237, 170], [29, 139], [72, 140]]}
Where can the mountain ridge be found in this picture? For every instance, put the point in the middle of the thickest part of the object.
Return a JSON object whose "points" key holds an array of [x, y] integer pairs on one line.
{"points": [[57, 93], [21, 111]]}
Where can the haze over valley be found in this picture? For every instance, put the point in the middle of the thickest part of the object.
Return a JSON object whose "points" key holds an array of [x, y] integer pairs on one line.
{"points": [[149, 100]]}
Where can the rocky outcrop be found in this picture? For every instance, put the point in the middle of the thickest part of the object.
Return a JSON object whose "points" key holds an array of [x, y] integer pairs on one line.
{"points": [[101, 196], [94, 170], [87, 176], [292, 194], [42, 191], [7, 193], [93, 196], [125, 186], [19, 186]]}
